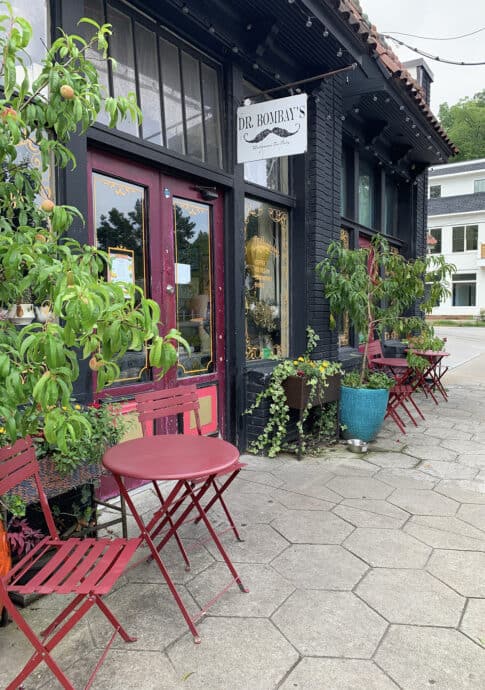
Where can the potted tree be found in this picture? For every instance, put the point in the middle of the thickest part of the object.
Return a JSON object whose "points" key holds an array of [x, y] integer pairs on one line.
{"points": [[375, 287], [92, 318]]}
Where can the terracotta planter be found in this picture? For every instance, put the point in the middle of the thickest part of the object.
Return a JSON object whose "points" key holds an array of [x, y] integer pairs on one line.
{"points": [[297, 391]]}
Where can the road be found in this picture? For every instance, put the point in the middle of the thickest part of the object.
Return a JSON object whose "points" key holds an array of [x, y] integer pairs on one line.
{"points": [[467, 353]]}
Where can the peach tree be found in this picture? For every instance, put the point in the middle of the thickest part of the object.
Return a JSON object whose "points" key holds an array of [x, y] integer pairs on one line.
{"points": [[94, 319]]}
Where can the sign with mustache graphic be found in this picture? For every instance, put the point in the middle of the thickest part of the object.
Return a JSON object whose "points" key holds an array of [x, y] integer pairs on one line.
{"points": [[272, 128]]}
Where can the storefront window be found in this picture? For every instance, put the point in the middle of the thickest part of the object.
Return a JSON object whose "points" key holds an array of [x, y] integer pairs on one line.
{"points": [[391, 208], [266, 281], [272, 172], [366, 194], [178, 92]]}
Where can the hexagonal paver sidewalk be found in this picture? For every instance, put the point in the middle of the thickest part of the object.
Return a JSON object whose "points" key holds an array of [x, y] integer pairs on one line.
{"points": [[365, 573]]}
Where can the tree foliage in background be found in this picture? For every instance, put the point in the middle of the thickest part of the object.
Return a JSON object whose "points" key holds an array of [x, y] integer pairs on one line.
{"points": [[100, 320], [464, 123]]}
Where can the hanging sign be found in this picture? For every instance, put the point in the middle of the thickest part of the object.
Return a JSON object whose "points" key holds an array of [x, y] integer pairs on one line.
{"points": [[272, 128]]}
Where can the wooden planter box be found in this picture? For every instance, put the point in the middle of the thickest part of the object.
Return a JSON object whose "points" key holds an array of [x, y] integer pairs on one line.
{"points": [[297, 391]]}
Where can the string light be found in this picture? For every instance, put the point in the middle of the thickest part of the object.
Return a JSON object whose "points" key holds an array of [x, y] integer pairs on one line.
{"points": [[374, 98], [339, 52], [255, 66], [309, 23], [185, 9], [437, 58], [325, 33], [235, 49], [212, 29]]}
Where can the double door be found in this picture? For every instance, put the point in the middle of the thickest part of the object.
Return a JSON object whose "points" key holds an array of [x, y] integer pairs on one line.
{"points": [[166, 235]]}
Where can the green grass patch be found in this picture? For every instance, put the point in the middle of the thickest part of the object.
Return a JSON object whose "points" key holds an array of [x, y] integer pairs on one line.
{"points": [[461, 324]]}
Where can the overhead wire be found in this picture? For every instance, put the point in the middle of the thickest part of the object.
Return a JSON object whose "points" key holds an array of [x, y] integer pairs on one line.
{"points": [[430, 56], [435, 38]]}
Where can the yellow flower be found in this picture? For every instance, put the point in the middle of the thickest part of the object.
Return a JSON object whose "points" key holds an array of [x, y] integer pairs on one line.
{"points": [[64, 407], [295, 361], [2, 430], [301, 359], [77, 407]]}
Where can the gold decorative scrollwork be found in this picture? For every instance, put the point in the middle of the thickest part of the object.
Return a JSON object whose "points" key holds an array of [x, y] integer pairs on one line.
{"points": [[192, 207], [120, 188], [345, 238]]}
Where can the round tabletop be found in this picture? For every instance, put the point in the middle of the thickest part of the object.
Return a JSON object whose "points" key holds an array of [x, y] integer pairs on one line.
{"points": [[171, 456]]}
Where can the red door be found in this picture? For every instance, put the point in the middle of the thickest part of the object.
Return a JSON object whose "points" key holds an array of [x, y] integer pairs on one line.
{"points": [[166, 234]]}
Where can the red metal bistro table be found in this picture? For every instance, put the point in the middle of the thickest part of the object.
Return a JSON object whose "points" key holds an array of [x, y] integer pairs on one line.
{"points": [[189, 461], [430, 378]]}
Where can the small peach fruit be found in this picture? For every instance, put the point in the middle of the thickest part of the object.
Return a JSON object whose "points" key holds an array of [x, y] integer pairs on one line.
{"points": [[47, 205], [67, 92]]}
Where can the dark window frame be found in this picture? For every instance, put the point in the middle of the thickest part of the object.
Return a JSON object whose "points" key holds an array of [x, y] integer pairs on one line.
{"points": [[160, 31], [467, 281]]}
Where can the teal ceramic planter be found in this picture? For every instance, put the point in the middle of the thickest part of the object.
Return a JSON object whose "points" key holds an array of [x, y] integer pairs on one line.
{"points": [[362, 411]]}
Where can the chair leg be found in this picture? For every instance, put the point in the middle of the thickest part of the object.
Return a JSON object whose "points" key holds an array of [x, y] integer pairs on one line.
{"points": [[113, 620], [218, 491], [170, 522]]}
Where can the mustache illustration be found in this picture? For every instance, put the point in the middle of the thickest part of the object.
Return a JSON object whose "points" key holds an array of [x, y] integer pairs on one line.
{"points": [[266, 132]]}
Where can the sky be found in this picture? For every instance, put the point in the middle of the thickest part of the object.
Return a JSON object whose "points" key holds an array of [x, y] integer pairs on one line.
{"points": [[437, 18]]}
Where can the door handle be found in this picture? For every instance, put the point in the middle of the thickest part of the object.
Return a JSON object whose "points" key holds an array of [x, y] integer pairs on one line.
{"points": [[170, 289]]}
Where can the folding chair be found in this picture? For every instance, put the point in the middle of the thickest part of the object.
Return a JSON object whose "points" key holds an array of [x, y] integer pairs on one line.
{"points": [[401, 392], [158, 405], [87, 568]]}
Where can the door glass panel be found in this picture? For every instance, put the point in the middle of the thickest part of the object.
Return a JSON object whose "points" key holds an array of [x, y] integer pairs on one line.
{"points": [[121, 46], [148, 78], [172, 96], [120, 229], [192, 224], [193, 106]]}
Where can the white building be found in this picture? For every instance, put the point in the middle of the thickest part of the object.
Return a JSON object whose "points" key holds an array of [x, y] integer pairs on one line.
{"points": [[456, 229]]}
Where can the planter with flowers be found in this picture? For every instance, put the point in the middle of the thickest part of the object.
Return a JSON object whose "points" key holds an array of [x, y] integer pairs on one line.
{"points": [[299, 384]]}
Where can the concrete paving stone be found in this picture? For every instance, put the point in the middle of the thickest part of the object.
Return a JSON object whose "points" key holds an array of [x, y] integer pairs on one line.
{"points": [[352, 468], [442, 432], [260, 477], [15, 647], [301, 473], [148, 572], [411, 596], [337, 674], [359, 487], [251, 507], [316, 566], [296, 501], [123, 669], [387, 548], [430, 452], [462, 570], [371, 513], [261, 544], [234, 653], [337, 624], [392, 460], [473, 514], [423, 502], [264, 464], [468, 426], [446, 533], [472, 460], [312, 527], [418, 658], [463, 446], [149, 612], [267, 590], [314, 486], [463, 490], [473, 623], [406, 479], [449, 470]]}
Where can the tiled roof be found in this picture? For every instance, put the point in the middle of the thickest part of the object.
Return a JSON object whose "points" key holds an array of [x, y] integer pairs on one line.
{"points": [[376, 44], [463, 203], [457, 168]]}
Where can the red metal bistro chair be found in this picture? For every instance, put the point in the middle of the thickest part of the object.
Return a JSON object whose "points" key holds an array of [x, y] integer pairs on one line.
{"points": [[402, 391], [87, 568], [157, 405]]}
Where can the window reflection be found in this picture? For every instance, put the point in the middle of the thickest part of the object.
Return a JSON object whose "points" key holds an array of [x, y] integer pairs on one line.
{"points": [[193, 280], [121, 49], [366, 194], [119, 222], [147, 63], [266, 281]]}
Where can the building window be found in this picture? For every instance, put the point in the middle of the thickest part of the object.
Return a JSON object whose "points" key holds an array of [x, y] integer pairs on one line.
{"points": [[366, 194], [435, 191], [464, 289], [271, 173], [465, 238], [266, 280], [178, 91], [391, 208], [479, 186], [433, 241]]}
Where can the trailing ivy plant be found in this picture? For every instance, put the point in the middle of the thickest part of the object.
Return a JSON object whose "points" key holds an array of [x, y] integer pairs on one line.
{"points": [[272, 439], [95, 319], [375, 287]]}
